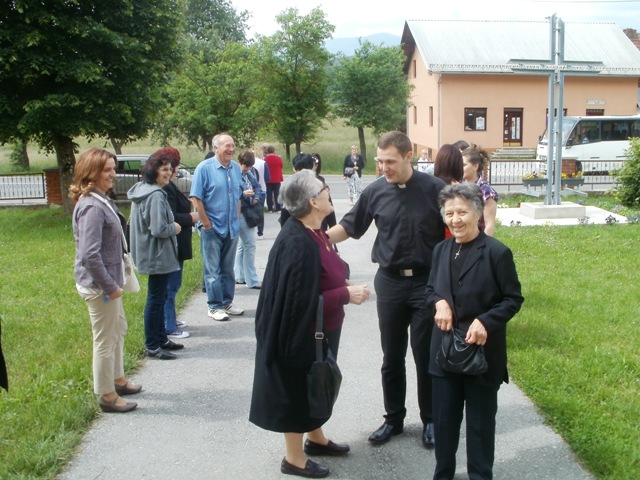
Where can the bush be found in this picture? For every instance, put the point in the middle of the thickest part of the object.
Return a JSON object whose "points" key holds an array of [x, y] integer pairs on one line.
{"points": [[628, 177]]}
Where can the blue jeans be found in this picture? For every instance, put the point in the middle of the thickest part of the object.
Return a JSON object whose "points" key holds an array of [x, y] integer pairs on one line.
{"points": [[245, 268], [218, 257], [154, 332], [173, 285]]}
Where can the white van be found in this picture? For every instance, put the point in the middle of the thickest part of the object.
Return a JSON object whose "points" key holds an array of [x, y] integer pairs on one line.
{"points": [[593, 138]]}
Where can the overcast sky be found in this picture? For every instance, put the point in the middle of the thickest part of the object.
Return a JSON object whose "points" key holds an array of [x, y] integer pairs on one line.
{"points": [[358, 18]]}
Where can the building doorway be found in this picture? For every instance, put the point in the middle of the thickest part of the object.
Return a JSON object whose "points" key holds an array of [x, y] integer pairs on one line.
{"points": [[512, 127]]}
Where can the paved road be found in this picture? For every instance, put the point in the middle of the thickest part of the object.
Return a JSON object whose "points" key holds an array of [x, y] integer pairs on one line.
{"points": [[191, 422]]}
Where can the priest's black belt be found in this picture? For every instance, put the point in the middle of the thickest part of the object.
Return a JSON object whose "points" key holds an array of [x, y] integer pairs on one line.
{"points": [[406, 272]]}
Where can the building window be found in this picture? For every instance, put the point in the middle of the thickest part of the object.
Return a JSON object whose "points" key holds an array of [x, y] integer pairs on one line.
{"points": [[430, 117], [415, 69], [595, 112], [475, 119], [415, 114]]}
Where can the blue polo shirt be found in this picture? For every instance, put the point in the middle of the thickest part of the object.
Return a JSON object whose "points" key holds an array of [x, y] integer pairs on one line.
{"points": [[219, 188]]}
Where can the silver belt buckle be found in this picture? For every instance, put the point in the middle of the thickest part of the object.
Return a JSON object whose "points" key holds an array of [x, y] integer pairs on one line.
{"points": [[406, 273]]}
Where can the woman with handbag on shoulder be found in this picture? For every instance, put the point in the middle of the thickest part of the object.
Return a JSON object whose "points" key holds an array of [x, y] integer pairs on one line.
{"points": [[99, 274], [252, 215], [474, 287], [353, 166], [302, 266]]}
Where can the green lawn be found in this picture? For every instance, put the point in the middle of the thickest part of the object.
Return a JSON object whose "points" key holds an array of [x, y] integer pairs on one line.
{"points": [[572, 349], [46, 339]]}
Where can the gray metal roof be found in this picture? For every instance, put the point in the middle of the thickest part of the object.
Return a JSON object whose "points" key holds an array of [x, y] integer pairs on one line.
{"points": [[466, 46]]}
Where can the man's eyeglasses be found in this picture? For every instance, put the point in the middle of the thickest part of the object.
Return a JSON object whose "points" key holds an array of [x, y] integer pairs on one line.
{"points": [[326, 187]]}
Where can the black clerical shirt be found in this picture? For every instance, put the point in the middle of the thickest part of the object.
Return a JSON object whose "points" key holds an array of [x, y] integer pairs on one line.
{"points": [[407, 217]]}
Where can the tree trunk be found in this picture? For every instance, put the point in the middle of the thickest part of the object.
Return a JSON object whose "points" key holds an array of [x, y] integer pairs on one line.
{"points": [[66, 158], [363, 145], [287, 149], [207, 145], [298, 147], [117, 145], [25, 154]]}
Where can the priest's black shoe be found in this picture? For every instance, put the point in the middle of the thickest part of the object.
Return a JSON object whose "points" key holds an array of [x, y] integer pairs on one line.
{"points": [[333, 449], [384, 433], [310, 470], [428, 437]]}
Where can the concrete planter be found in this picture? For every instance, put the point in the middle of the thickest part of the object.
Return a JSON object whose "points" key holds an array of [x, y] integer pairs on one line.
{"points": [[534, 182], [572, 182]]}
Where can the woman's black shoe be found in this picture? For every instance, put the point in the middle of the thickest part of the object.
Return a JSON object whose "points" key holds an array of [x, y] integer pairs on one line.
{"points": [[311, 469], [333, 449]]}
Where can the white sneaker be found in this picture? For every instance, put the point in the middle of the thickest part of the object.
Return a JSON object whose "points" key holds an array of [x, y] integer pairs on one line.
{"points": [[177, 333], [217, 314], [180, 324], [260, 237], [231, 309]]}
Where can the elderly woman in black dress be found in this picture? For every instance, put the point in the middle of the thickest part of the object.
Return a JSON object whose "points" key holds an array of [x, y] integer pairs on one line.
{"points": [[302, 265], [474, 287]]}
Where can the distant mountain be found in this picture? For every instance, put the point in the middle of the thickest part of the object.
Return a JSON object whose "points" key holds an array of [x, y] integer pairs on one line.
{"points": [[348, 46]]}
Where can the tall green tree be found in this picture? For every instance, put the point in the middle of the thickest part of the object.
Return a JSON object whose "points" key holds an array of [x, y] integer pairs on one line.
{"points": [[214, 90], [293, 66], [83, 68], [211, 24], [370, 89], [207, 98]]}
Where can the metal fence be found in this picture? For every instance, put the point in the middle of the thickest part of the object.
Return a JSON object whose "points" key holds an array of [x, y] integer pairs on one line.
{"points": [[22, 186], [596, 173]]}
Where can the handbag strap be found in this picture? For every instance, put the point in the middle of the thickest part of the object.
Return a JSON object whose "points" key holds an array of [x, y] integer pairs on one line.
{"points": [[104, 200], [319, 330]]}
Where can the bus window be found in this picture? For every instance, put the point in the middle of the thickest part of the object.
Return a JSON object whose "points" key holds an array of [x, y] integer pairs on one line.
{"points": [[588, 131], [615, 130], [635, 128]]}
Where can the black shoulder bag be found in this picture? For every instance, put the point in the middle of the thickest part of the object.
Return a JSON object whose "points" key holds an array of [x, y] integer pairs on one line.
{"points": [[324, 377]]}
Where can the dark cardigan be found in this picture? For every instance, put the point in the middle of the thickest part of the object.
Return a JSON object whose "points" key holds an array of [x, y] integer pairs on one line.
{"points": [[181, 208]]}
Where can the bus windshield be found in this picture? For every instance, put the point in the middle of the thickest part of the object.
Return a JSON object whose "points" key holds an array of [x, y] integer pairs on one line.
{"points": [[567, 125]]}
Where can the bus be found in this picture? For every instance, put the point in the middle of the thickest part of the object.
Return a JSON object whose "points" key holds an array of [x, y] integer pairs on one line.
{"points": [[593, 138]]}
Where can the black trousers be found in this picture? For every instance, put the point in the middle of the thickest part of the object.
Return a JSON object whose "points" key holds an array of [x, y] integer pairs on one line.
{"points": [[450, 394], [273, 190], [402, 309]]}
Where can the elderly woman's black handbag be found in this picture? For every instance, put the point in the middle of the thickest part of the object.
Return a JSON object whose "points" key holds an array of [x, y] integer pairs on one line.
{"points": [[458, 356], [324, 377]]}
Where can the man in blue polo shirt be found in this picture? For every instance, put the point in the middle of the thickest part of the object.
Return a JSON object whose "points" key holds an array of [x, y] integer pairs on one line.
{"points": [[215, 192]]}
